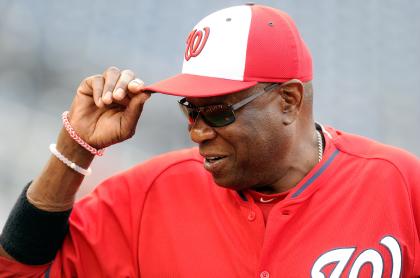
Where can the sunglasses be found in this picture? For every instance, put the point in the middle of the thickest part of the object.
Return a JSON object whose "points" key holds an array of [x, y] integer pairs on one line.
{"points": [[219, 115]]}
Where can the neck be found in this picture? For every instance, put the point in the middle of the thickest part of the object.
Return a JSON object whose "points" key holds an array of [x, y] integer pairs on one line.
{"points": [[302, 158]]}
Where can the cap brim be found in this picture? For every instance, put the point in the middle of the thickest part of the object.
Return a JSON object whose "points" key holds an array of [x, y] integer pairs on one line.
{"points": [[189, 85]]}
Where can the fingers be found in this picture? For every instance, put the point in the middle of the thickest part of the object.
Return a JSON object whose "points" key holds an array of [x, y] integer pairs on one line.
{"points": [[120, 90], [97, 83], [111, 76], [118, 85], [112, 87]]}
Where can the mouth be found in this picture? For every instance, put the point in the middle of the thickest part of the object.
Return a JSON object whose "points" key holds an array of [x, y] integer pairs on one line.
{"points": [[215, 163], [213, 159]]}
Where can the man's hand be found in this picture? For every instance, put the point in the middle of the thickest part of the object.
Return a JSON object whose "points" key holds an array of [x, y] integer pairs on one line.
{"points": [[105, 111], [107, 107]]}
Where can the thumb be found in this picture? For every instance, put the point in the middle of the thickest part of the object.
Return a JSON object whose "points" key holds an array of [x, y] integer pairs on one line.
{"points": [[134, 108], [135, 86]]}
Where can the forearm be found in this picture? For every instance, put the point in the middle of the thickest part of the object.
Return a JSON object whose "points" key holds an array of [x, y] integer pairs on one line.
{"points": [[53, 191], [56, 187]]}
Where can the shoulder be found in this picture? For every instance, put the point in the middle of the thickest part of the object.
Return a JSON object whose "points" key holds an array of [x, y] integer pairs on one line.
{"points": [[371, 151], [182, 161], [134, 183]]}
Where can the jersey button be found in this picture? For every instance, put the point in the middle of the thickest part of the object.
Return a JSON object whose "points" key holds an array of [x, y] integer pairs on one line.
{"points": [[251, 216], [285, 212], [264, 274]]}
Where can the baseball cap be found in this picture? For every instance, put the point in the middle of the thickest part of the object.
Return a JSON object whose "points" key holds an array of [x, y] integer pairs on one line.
{"points": [[235, 48]]}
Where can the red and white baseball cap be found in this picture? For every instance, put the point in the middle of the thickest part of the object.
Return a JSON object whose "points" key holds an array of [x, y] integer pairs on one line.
{"points": [[235, 48]]}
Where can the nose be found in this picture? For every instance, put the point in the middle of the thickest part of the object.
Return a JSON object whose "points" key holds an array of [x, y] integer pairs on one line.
{"points": [[200, 131]]}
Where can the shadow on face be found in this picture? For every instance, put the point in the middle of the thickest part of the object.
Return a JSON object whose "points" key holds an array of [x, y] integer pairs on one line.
{"points": [[255, 149]]}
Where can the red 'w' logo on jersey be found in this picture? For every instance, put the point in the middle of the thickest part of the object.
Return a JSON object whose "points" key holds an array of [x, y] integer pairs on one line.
{"points": [[196, 42]]}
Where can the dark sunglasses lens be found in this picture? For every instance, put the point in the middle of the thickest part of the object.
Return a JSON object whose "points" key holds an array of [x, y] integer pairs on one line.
{"points": [[218, 115]]}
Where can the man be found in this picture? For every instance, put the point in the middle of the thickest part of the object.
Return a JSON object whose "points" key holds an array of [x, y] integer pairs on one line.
{"points": [[267, 193]]}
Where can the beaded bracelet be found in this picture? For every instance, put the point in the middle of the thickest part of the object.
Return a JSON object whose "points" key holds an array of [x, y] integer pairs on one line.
{"points": [[77, 138], [65, 160]]}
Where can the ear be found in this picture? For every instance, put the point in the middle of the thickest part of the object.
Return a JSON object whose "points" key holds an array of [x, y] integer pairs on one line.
{"points": [[291, 101]]}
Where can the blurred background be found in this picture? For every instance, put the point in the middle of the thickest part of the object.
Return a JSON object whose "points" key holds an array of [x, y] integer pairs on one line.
{"points": [[366, 72]]}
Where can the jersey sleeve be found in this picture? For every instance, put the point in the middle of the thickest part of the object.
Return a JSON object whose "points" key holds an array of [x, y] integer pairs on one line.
{"points": [[102, 238], [104, 227], [414, 188]]}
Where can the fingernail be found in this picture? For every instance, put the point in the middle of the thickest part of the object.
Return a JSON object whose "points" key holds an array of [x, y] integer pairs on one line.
{"points": [[138, 82], [107, 98]]}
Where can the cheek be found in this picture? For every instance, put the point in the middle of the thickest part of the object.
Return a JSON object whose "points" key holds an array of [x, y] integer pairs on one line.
{"points": [[263, 142], [250, 146]]}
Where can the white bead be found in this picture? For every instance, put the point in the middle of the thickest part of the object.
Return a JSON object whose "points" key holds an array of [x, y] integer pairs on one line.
{"points": [[69, 163]]}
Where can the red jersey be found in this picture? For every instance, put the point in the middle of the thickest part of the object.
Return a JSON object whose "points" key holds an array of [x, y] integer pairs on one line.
{"points": [[356, 214]]}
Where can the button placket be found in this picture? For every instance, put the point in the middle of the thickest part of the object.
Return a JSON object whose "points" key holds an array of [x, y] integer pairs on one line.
{"points": [[251, 215], [264, 274], [286, 212], [284, 209]]}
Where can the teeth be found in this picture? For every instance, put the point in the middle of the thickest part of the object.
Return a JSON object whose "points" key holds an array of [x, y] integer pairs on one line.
{"points": [[212, 158]]}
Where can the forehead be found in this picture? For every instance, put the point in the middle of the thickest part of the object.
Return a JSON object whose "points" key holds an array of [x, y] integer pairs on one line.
{"points": [[226, 99]]}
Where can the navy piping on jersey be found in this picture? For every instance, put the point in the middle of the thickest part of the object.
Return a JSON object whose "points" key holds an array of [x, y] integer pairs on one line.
{"points": [[47, 273], [316, 175], [242, 195], [309, 181]]}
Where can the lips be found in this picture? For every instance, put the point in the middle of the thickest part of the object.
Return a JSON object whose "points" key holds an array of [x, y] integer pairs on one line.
{"points": [[214, 162], [212, 159]]}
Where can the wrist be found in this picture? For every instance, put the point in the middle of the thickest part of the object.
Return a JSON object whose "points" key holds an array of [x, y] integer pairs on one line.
{"points": [[56, 187], [73, 134], [67, 146]]}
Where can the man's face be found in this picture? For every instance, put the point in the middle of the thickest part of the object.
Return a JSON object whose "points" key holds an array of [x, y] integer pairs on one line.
{"points": [[251, 152]]}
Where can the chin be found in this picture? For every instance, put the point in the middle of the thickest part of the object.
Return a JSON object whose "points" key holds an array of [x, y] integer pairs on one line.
{"points": [[229, 183]]}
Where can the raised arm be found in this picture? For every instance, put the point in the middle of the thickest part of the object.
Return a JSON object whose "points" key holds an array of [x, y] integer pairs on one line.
{"points": [[105, 111]]}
